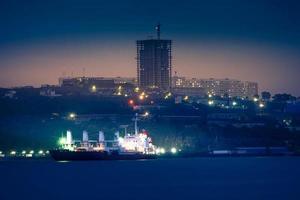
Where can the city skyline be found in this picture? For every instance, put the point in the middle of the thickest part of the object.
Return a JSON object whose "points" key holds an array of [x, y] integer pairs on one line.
{"points": [[251, 41]]}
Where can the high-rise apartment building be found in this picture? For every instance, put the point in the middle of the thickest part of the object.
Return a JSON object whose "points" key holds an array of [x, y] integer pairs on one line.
{"points": [[154, 62]]}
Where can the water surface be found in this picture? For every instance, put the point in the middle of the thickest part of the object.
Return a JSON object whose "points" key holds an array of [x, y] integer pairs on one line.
{"points": [[193, 178]]}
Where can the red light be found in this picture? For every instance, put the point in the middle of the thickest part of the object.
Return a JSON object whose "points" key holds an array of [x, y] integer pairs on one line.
{"points": [[131, 102]]}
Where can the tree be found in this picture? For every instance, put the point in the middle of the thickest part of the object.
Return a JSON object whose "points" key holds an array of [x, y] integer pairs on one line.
{"points": [[283, 97]]}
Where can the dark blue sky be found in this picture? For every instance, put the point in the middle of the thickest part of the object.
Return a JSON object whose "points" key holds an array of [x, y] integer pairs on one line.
{"points": [[244, 37]]}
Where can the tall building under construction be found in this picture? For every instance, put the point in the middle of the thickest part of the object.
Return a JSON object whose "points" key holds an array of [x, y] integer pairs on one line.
{"points": [[154, 62]]}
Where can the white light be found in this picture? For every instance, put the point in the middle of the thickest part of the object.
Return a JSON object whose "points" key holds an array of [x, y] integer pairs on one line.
{"points": [[157, 151], [23, 152], [31, 152], [136, 89], [146, 114], [121, 140], [41, 152], [210, 102], [255, 99], [261, 105], [13, 153], [173, 150], [234, 103], [72, 115], [162, 151], [94, 88], [209, 95]]}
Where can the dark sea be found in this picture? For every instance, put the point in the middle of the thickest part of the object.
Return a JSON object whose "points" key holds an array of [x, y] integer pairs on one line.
{"points": [[193, 178]]}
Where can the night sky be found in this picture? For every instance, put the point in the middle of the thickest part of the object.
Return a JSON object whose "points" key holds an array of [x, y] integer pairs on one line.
{"points": [[253, 40]]}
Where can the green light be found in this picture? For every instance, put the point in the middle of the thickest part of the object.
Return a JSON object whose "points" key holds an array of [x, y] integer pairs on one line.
{"points": [[62, 141]]}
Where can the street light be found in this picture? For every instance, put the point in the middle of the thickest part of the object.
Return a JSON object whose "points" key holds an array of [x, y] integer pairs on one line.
{"points": [[146, 114], [261, 105], [72, 115], [94, 88]]}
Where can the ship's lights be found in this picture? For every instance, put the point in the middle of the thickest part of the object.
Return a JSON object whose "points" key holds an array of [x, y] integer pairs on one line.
{"points": [[173, 150], [146, 114], [31, 152], [209, 95], [157, 151], [41, 152], [62, 140], [121, 140], [23, 152], [13, 153]]}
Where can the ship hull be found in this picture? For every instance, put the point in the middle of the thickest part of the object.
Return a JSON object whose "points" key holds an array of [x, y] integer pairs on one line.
{"points": [[64, 155]]}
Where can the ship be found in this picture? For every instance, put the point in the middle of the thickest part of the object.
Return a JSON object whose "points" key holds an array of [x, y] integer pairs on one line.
{"points": [[136, 146]]}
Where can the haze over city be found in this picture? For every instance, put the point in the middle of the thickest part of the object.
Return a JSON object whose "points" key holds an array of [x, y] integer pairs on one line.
{"points": [[250, 40]]}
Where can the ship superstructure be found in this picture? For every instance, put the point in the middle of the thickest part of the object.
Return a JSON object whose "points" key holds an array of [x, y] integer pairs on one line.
{"points": [[137, 145]]}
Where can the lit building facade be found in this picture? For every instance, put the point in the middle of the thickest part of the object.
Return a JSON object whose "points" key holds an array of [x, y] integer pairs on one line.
{"points": [[219, 87]]}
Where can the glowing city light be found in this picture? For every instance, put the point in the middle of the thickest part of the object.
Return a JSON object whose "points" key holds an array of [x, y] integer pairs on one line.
{"points": [[169, 94], [209, 95], [23, 152], [186, 98], [261, 105], [131, 102], [31, 152], [13, 153], [162, 151], [234, 103], [137, 89], [72, 115], [94, 88], [141, 97], [41, 152], [146, 114], [210, 102], [255, 99]]}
